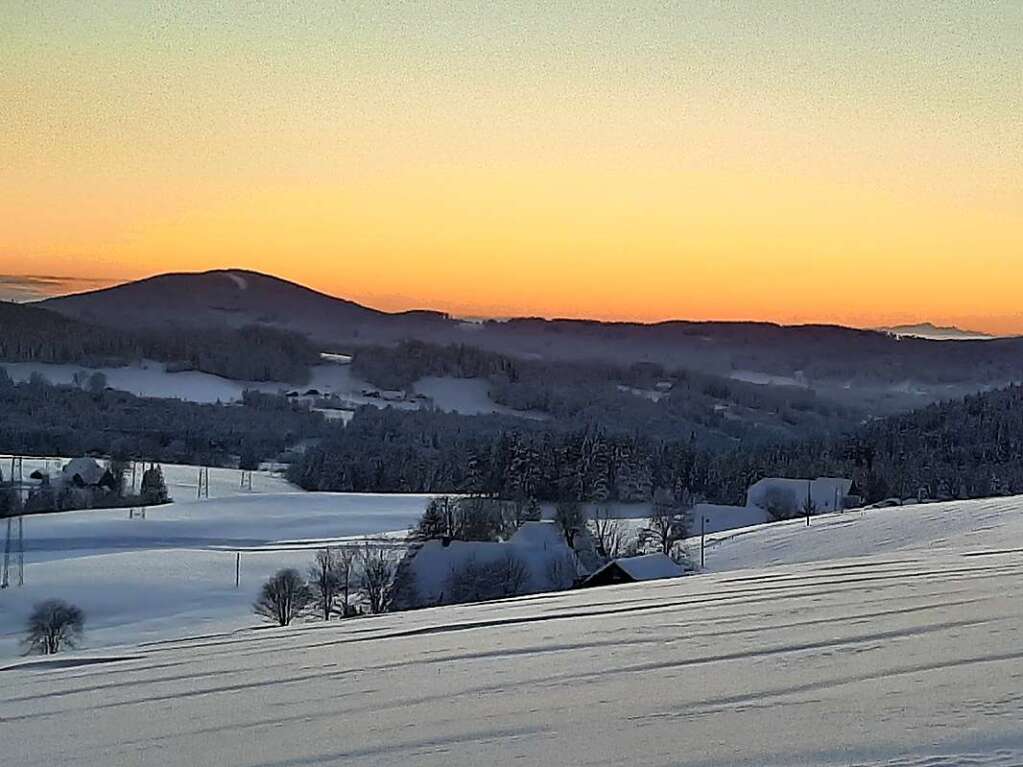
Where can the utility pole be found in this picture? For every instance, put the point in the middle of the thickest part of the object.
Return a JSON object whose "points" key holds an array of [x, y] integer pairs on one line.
{"points": [[203, 488], [5, 576], [237, 568], [703, 534], [21, 552]]}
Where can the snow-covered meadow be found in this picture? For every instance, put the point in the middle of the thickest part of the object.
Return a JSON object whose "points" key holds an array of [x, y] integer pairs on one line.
{"points": [[182, 479], [173, 572], [467, 396], [875, 638]]}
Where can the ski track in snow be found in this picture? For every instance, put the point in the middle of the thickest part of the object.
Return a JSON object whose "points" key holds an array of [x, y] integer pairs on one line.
{"points": [[901, 650]]}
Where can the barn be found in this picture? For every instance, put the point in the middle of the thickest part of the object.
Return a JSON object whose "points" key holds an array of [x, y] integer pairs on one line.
{"points": [[649, 567]]}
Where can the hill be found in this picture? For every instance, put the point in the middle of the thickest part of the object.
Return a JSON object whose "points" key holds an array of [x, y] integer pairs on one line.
{"points": [[893, 656], [233, 298], [248, 353], [879, 372]]}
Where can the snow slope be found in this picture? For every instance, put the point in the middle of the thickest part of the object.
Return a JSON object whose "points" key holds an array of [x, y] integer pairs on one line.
{"points": [[939, 527], [907, 655], [173, 572]]}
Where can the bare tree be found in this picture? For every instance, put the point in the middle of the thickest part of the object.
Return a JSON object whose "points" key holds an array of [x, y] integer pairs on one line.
{"points": [[52, 626], [569, 516], [523, 510], [511, 575], [779, 503], [346, 579], [283, 597], [474, 581], [561, 571], [376, 574], [608, 534], [666, 526], [325, 581]]}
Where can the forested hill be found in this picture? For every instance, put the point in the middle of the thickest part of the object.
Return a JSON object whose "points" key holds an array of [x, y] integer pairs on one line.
{"points": [[966, 448], [252, 353], [884, 372]]}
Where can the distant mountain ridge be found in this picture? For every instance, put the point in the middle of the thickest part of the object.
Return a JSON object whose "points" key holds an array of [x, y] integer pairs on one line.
{"points": [[934, 332], [893, 372]]}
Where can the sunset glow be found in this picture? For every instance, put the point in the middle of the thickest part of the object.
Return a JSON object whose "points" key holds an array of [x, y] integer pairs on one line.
{"points": [[856, 163]]}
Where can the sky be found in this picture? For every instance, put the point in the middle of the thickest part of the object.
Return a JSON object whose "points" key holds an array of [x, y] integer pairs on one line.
{"points": [[850, 162]]}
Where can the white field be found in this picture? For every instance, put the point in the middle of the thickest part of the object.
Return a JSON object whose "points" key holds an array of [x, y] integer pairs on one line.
{"points": [[182, 480], [467, 396], [173, 572], [877, 638]]}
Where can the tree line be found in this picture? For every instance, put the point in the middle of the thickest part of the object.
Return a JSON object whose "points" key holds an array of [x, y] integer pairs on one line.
{"points": [[251, 353], [39, 418], [966, 448]]}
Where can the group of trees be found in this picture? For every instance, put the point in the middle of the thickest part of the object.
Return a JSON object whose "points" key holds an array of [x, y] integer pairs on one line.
{"points": [[39, 418], [49, 496], [251, 353], [342, 581], [965, 448], [642, 397]]}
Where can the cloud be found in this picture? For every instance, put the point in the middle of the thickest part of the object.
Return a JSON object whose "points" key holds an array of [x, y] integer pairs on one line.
{"points": [[31, 287]]}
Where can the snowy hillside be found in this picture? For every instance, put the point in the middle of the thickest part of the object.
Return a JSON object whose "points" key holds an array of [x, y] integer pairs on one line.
{"points": [[927, 528], [173, 572], [908, 654]]}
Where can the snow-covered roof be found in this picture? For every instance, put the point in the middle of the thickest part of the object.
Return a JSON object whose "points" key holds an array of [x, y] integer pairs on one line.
{"points": [[541, 534], [648, 567], [86, 469], [537, 545]]}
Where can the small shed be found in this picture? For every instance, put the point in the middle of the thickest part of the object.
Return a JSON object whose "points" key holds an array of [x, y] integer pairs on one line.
{"points": [[649, 567]]}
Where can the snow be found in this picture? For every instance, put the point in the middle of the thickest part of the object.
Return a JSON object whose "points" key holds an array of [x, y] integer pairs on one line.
{"points": [[238, 279], [182, 480], [936, 527], [768, 379], [827, 493], [146, 379], [715, 517], [173, 572], [467, 396], [873, 638]]}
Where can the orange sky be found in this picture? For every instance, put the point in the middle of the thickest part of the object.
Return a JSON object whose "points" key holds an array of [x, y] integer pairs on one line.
{"points": [[859, 165]]}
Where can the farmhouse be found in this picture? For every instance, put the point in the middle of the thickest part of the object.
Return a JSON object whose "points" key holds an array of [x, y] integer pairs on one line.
{"points": [[649, 567], [87, 473], [826, 493], [79, 473], [535, 559]]}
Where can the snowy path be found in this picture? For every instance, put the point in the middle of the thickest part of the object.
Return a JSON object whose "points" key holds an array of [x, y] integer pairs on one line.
{"points": [[907, 656]]}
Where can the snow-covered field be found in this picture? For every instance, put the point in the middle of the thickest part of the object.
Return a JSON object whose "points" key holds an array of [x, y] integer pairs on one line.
{"points": [[173, 572], [468, 396], [182, 480], [877, 638]]}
